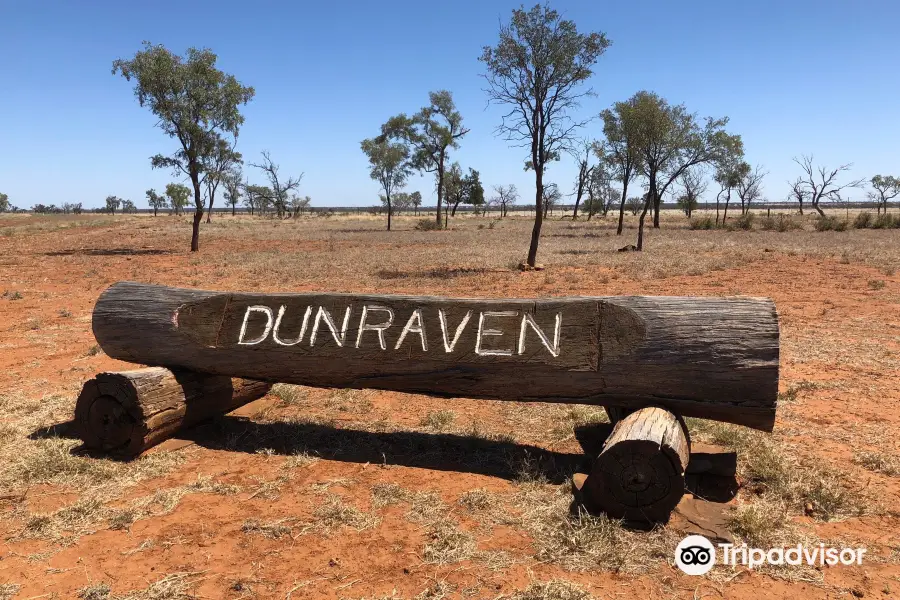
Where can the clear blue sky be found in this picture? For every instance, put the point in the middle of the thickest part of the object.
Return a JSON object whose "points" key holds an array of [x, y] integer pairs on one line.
{"points": [[794, 76]]}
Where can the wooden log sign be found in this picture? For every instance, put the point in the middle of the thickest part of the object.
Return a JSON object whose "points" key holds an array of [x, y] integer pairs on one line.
{"points": [[714, 358]]}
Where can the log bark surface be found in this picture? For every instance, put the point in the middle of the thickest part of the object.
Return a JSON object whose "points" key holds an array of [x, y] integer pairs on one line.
{"points": [[639, 475], [714, 358], [124, 413]]}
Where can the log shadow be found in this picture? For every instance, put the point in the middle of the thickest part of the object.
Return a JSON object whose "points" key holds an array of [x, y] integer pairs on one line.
{"points": [[64, 430], [438, 451], [109, 252]]}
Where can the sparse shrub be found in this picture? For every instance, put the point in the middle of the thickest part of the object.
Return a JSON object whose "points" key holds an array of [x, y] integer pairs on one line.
{"points": [[11, 295], [427, 225], [99, 591], [768, 224], [439, 419], [862, 220], [879, 462], [825, 223], [702, 223], [876, 284], [94, 350], [840, 225], [883, 221], [744, 222]]}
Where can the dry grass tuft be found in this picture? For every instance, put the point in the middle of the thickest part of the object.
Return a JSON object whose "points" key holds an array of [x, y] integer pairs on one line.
{"points": [[175, 586], [879, 462], [580, 541], [557, 589], [439, 420], [478, 499], [447, 543], [8, 590], [336, 513], [272, 530], [772, 472], [97, 591]]}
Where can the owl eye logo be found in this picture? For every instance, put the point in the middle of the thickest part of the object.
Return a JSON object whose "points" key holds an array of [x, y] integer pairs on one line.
{"points": [[695, 555]]}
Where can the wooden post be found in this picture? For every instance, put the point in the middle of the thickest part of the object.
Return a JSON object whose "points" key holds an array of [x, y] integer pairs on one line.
{"points": [[127, 412], [639, 475], [715, 358]]}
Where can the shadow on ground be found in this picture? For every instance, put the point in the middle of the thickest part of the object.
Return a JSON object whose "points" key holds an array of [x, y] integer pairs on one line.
{"points": [[109, 252]]}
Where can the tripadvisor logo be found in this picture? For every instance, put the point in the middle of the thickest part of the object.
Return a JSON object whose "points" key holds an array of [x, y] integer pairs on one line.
{"points": [[696, 555]]}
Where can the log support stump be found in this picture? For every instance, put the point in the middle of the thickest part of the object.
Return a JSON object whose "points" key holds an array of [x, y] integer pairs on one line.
{"points": [[639, 475], [127, 412]]}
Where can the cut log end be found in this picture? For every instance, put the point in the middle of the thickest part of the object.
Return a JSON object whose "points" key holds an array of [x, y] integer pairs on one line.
{"points": [[128, 412], [639, 475]]}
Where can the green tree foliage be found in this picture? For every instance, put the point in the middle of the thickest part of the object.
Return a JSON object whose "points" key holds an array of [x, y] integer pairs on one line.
{"points": [[415, 200], [670, 140], [178, 195], [431, 133], [622, 148], [887, 187], [217, 166], [195, 102], [536, 70], [232, 183], [128, 207], [730, 171], [155, 201], [4, 203], [258, 198], [749, 188], [112, 204], [389, 166]]}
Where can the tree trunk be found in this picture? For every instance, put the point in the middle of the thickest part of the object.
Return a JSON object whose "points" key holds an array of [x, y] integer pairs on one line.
{"points": [[639, 475], [440, 187], [198, 214], [727, 201], [657, 200], [209, 212], [233, 209], [154, 211], [647, 204], [625, 177], [538, 215], [710, 357], [128, 412], [815, 205], [389, 210]]}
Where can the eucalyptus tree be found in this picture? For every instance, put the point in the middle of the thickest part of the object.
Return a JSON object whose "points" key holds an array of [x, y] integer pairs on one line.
{"points": [[582, 151], [113, 203], [389, 166], [798, 192], [693, 185], [536, 70], [178, 195], [431, 133], [504, 197], [279, 187], [620, 127], [670, 141], [749, 188], [550, 197], [4, 202], [216, 166], [415, 200], [730, 171], [154, 200], [887, 187], [194, 102], [821, 182], [232, 182]]}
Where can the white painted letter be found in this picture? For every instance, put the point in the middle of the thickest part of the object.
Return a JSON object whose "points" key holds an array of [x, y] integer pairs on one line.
{"points": [[251, 309], [379, 327], [299, 339], [449, 346], [527, 319], [485, 332], [324, 314], [408, 328]]}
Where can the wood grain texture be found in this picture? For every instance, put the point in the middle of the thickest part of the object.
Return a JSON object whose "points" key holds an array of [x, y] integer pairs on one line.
{"points": [[124, 413], [639, 475], [714, 358]]}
